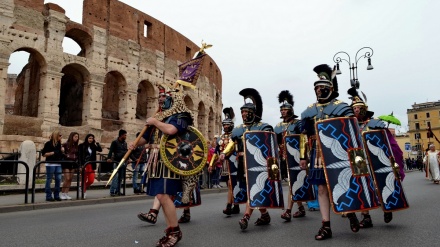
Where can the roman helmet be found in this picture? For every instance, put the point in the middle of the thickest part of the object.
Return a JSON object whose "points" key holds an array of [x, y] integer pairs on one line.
{"points": [[252, 104], [229, 119], [327, 80], [356, 100], [285, 98]]}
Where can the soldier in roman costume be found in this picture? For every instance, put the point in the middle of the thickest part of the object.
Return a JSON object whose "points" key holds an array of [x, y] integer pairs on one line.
{"points": [[224, 139], [289, 125], [251, 113], [327, 106], [367, 123], [173, 171]]}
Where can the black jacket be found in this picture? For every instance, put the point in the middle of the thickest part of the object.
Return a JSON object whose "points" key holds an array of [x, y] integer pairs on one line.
{"points": [[48, 147], [84, 155]]}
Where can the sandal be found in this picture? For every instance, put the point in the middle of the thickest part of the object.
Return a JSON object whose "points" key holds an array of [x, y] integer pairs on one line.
{"points": [[286, 216], [387, 217], [366, 222], [164, 238], [150, 217], [185, 218], [170, 239], [324, 232], [354, 222], [263, 220], [244, 222], [300, 213]]}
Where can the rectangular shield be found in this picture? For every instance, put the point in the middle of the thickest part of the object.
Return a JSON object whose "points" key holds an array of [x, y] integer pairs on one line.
{"points": [[300, 188], [381, 160], [263, 175], [238, 188], [348, 192]]}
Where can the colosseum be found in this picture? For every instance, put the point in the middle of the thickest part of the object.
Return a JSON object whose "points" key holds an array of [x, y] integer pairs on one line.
{"points": [[110, 84]]}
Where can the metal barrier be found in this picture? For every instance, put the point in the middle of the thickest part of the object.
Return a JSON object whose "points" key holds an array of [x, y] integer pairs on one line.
{"points": [[79, 180], [26, 188], [97, 162], [37, 166]]}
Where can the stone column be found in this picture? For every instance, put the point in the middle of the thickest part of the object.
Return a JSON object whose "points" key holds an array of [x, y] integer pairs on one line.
{"points": [[92, 103], [48, 101], [3, 82], [127, 112], [54, 29], [28, 154], [196, 119]]}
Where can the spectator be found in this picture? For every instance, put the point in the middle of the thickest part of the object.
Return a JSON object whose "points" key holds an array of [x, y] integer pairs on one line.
{"points": [[217, 174], [87, 153], [138, 158], [53, 152], [117, 150], [407, 163], [419, 164], [204, 179], [70, 154]]}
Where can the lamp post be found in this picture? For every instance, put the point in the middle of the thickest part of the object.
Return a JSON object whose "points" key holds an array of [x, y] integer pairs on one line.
{"points": [[419, 148], [353, 66]]}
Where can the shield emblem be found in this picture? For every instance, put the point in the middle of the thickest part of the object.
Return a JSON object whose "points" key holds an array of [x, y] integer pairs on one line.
{"points": [[186, 153], [381, 159], [238, 188], [338, 139], [262, 170], [300, 188]]}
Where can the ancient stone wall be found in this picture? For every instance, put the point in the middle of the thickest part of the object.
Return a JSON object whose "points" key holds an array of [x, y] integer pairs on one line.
{"points": [[110, 84]]}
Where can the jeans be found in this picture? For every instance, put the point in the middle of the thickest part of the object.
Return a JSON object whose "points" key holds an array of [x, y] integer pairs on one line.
{"points": [[140, 168], [216, 177], [203, 179], [51, 171], [115, 187]]}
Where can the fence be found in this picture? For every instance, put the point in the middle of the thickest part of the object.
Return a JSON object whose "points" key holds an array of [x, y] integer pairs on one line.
{"points": [[26, 190]]}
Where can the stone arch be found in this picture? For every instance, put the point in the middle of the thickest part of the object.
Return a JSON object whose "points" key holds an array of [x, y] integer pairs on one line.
{"points": [[25, 100], [189, 102], [113, 98], [211, 124], [72, 94], [82, 36], [146, 104], [201, 118]]}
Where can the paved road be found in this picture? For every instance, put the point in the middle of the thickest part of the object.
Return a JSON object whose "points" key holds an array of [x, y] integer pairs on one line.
{"points": [[116, 224]]}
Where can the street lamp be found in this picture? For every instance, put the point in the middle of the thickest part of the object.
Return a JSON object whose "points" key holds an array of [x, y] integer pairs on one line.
{"points": [[353, 66]]}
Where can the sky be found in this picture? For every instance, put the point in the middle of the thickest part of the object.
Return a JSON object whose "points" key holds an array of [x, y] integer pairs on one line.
{"points": [[274, 45]]}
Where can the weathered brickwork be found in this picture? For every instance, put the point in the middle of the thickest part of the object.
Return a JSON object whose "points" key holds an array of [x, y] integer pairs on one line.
{"points": [[110, 84]]}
